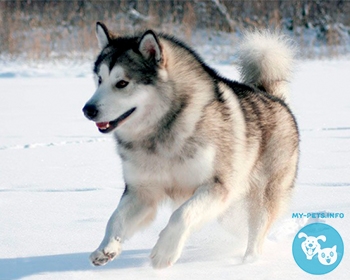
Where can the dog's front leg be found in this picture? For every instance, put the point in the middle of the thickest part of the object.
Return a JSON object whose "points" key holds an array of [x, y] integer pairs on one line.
{"points": [[133, 212], [206, 203]]}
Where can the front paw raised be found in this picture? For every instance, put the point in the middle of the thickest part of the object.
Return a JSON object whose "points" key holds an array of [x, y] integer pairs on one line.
{"points": [[105, 254]]}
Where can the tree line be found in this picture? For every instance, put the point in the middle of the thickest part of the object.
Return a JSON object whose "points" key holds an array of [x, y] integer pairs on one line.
{"points": [[44, 27]]}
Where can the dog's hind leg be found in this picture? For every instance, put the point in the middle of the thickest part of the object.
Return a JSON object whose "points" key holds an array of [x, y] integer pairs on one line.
{"points": [[257, 223], [264, 207]]}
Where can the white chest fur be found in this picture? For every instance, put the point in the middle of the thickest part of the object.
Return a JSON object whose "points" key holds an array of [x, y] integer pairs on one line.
{"points": [[157, 171]]}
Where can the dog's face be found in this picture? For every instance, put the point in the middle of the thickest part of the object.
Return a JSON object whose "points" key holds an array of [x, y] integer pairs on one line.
{"points": [[127, 73], [311, 245], [311, 242]]}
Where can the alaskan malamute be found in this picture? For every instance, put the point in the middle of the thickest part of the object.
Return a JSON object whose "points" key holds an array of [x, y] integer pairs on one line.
{"points": [[186, 133]]}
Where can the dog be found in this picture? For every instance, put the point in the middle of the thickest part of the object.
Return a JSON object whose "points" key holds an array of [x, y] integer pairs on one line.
{"points": [[187, 134], [310, 245]]}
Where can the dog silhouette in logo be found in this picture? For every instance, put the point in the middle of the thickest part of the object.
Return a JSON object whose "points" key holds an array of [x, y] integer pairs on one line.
{"points": [[328, 256], [310, 245]]}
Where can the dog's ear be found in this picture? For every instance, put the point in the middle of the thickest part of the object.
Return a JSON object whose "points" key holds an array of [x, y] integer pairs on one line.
{"points": [[102, 35], [321, 237], [301, 235], [150, 47]]}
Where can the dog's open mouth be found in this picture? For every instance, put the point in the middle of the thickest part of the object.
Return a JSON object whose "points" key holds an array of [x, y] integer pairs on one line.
{"points": [[106, 127], [310, 251]]}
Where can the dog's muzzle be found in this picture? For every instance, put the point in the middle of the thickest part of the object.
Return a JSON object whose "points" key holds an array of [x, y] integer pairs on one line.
{"points": [[90, 111]]}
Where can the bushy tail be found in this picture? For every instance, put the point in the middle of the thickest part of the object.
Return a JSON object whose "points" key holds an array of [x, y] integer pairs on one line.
{"points": [[265, 61]]}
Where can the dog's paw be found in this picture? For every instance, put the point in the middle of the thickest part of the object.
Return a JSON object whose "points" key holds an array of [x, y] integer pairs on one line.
{"points": [[250, 258], [162, 259], [103, 255], [165, 253]]}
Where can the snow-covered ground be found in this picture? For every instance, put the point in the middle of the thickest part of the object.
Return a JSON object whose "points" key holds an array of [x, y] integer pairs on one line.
{"points": [[60, 180]]}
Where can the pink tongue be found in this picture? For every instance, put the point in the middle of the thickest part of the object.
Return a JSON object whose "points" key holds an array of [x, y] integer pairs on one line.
{"points": [[102, 124]]}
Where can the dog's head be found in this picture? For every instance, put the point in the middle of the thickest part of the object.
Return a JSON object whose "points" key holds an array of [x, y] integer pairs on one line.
{"points": [[311, 242], [129, 74]]}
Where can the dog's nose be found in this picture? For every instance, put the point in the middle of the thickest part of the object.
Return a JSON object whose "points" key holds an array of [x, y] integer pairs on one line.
{"points": [[90, 111]]}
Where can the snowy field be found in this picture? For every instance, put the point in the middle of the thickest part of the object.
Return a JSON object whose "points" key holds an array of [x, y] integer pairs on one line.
{"points": [[60, 180]]}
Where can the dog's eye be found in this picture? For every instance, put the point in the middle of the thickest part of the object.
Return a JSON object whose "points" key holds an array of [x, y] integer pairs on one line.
{"points": [[99, 80], [121, 84]]}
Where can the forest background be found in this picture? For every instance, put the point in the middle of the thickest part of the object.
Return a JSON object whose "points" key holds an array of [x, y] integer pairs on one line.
{"points": [[44, 29]]}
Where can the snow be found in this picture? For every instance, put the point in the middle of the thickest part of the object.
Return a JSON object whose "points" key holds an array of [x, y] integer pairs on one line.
{"points": [[60, 180]]}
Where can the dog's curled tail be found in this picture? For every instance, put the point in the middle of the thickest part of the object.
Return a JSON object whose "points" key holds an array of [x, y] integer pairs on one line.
{"points": [[265, 61]]}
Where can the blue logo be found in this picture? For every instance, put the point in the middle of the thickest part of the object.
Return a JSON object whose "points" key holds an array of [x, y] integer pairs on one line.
{"points": [[318, 248]]}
